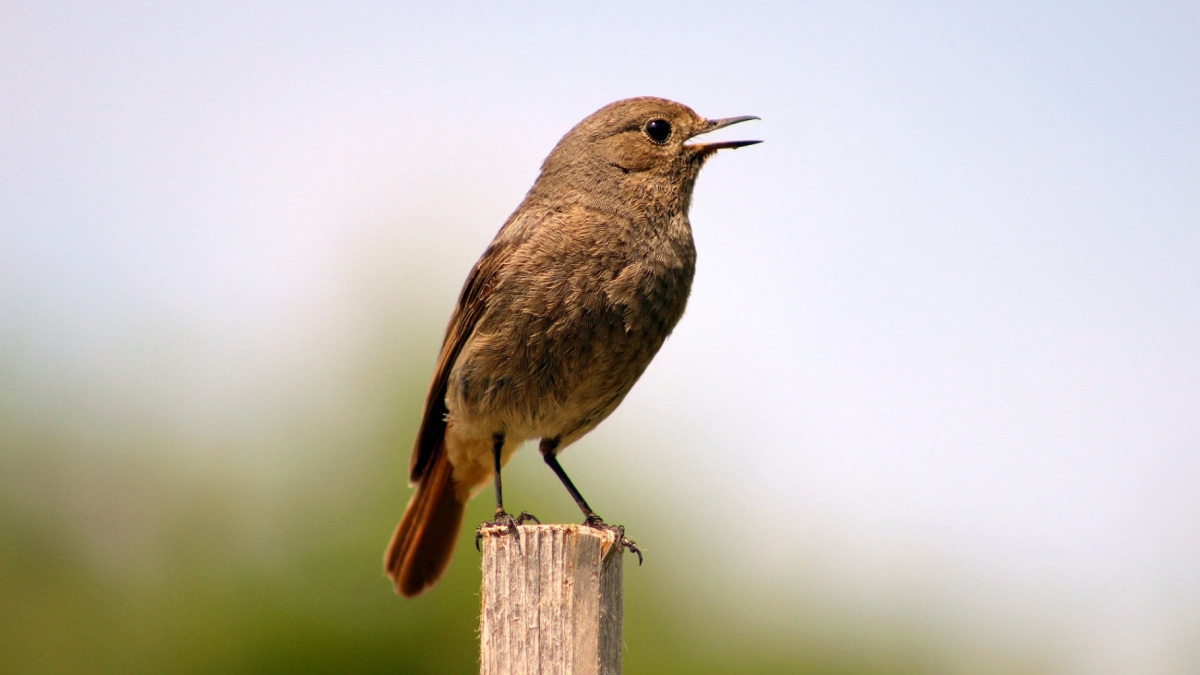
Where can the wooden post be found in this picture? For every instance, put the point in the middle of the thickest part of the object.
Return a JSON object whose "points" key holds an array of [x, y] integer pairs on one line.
{"points": [[552, 597]]}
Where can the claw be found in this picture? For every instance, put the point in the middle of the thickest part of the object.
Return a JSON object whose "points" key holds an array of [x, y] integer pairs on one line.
{"points": [[503, 519], [595, 521]]}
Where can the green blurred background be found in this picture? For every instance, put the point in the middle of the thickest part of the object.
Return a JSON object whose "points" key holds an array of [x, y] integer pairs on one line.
{"points": [[137, 539], [143, 535], [934, 407]]}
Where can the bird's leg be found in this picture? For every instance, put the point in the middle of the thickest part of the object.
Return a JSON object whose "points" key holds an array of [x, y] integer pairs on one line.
{"points": [[549, 447], [497, 447], [502, 517]]}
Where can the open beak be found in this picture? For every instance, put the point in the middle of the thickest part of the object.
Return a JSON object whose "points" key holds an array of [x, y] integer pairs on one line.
{"points": [[713, 125]]}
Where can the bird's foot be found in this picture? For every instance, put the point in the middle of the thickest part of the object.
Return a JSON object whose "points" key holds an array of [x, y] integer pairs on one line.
{"points": [[525, 516], [504, 519], [595, 521]]}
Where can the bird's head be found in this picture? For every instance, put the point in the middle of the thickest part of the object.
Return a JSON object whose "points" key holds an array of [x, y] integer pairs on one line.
{"points": [[645, 138]]}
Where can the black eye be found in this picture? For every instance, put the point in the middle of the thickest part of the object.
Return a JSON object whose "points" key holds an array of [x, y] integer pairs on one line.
{"points": [[658, 130]]}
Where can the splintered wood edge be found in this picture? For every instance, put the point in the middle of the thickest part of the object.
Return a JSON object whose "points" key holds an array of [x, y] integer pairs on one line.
{"points": [[608, 538]]}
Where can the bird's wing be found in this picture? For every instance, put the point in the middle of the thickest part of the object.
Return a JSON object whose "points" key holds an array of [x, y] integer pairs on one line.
{"points": [[472, 303]]}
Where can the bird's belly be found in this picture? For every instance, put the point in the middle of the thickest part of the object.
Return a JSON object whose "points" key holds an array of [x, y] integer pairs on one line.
{"points": [[555, 382]]}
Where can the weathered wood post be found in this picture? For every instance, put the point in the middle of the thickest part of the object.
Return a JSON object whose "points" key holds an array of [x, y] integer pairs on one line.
{"points": [[552, 601]]}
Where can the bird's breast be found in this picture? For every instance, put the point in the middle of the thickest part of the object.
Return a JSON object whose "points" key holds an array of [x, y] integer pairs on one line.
{"points": [[567, 334]]}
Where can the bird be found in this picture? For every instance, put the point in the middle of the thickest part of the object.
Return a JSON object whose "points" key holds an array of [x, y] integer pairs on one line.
{"points": [[558, 319]]}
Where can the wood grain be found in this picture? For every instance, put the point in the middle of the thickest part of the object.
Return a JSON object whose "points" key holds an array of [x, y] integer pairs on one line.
{"points": [[552, 601]]}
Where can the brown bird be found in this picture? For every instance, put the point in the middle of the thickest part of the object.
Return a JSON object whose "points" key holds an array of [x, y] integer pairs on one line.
{"points": [[558, 319]]}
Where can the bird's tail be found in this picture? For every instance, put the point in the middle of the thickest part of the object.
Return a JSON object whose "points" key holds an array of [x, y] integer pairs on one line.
{"points": [[424, 541]]}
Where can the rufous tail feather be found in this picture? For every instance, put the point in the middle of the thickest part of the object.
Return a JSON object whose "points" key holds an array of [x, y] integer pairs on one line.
{"points": [[424, 540]]}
